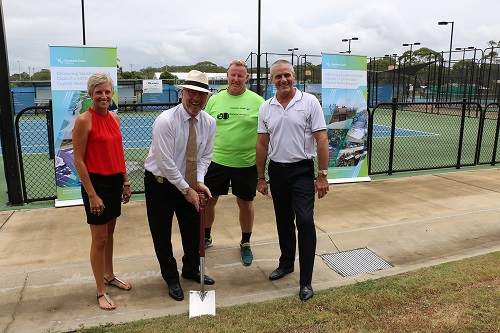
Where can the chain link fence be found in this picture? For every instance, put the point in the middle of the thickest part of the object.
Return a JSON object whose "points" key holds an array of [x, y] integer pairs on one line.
{"points": [[401, 137], [422, 136], [34, 137], [35, 146]]}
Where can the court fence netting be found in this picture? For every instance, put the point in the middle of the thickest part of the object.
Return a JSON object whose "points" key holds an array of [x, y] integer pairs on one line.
{"points": [[400, 137]]}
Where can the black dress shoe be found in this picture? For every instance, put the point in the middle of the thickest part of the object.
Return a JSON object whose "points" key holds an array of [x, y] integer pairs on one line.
{"points": [[196, 277], [278, 273], [306, 292], [175, 291]]}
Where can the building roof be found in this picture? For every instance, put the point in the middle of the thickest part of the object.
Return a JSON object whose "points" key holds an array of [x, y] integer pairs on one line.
{"points": [[182, 76]]}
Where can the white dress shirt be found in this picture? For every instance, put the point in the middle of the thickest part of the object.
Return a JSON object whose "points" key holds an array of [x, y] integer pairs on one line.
{"points": [[167, 154]]}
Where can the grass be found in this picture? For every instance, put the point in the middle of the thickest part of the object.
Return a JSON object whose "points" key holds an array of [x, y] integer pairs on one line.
{"points": [[459, 296]]}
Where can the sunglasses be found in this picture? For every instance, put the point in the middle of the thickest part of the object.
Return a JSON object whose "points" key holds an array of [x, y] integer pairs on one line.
{"points": [[238, 63], [194, 93]]}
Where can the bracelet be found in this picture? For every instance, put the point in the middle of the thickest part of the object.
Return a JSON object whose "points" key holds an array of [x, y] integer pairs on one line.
{"points": [[126, 183], [261, 178]]}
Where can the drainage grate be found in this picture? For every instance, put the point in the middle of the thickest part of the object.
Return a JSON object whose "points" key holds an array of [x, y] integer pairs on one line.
{"points": [[354, 262]]}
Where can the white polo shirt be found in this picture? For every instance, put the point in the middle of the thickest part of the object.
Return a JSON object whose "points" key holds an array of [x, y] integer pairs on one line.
{"points": [[291, 130]]}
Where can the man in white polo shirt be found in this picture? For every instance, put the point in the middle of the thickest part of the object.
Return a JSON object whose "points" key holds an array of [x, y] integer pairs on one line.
{"points": [[289, 125]]}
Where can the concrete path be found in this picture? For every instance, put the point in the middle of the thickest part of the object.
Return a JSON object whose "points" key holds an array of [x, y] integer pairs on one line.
{"points": [[46, 282]]}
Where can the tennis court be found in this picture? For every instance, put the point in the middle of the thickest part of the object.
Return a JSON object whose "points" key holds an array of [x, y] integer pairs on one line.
{"points": [[422, 140], [136, 131], [430, 140], [381, 131]]}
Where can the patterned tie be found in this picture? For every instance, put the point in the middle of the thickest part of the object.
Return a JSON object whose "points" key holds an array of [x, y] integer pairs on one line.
{"points": [[191, 156]]}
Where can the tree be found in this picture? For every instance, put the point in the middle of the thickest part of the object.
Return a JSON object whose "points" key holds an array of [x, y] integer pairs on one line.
{"points": [[425, 54], [148, 72], [168, 76], [131, 75], [207, 66], [492, 54], [43, 75]]}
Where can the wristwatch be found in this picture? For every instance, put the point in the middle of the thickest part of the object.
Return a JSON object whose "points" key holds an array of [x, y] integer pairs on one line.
{"points": [[324, 172], [185, 190]]}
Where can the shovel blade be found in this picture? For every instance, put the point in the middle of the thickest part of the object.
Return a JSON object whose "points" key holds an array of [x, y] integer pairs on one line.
{"points": [[201, 303]]}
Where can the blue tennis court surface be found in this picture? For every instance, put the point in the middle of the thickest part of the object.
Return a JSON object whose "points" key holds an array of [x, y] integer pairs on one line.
{"points": [[380, 131], [136, 133], [132, 126]]}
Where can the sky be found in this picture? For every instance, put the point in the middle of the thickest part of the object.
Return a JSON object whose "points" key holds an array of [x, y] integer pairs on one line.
{"points": [[160, 32]]}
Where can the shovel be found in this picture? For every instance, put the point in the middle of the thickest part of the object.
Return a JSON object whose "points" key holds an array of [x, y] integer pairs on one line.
{"points": [[202, 302]]}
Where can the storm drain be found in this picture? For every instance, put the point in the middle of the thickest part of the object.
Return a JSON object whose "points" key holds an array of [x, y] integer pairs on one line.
{"points": [[354, 262]]}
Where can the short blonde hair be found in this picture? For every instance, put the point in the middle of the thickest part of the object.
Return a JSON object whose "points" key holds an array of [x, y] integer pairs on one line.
{"points": [[97, 79]]}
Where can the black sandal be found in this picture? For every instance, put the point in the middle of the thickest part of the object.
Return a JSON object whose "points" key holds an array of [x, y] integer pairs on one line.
{"points": [[105, 295], [115, 285]]}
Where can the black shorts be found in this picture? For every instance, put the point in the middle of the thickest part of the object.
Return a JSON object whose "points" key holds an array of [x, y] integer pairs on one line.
{"points": [[110, 190], [243, 181]]}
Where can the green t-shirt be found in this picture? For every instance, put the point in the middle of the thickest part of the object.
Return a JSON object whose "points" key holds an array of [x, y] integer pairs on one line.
{"points": [[236, 135]]}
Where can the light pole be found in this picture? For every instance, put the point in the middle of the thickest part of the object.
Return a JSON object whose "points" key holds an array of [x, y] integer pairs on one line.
{"points": [[404, 68], [19, 71], [390, 56], [451, 48], [463, 80], [411, 48], [83, 20], [293, 50], [349, 40], [258, 47]]}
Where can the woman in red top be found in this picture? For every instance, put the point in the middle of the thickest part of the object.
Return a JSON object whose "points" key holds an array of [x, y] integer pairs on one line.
{"points": [[100, 163]]}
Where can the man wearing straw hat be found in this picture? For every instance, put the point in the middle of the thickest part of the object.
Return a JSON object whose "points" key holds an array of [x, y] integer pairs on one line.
{"points": [[168, 187]]}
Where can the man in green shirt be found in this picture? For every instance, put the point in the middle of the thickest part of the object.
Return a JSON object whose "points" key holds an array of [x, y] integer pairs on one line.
{"points": [[235, 111]]}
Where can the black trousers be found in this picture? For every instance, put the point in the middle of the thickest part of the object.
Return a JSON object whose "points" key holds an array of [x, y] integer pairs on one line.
{"points": [[162, 201], [292, 189]]}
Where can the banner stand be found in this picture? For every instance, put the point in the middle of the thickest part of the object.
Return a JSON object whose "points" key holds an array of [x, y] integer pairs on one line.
{"points": [[345, 108], [70, 69]]}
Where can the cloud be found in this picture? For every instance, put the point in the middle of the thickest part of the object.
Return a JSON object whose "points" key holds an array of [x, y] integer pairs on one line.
{"points": [[151, 32]]}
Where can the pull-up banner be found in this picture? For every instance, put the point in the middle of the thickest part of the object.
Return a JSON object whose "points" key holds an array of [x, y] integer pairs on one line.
{"points": [[70, 68], [344, 103]]}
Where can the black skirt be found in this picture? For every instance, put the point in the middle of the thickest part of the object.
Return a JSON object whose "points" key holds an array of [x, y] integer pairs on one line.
{"points": [[109, 189]]}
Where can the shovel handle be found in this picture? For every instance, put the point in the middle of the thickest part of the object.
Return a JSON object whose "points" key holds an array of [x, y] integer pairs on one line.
{"points": [[204, 198]]}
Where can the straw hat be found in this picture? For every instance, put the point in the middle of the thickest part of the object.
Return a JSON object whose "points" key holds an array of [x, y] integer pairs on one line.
{"points": [[195, 80]]}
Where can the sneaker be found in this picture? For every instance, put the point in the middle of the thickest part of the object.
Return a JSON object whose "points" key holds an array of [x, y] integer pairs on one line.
{"points": [[246, 254], [208, 242]]}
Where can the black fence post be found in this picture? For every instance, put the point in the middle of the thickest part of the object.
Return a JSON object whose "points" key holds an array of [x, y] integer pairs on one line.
{"points": [[370, 138], [480, 130], [50, 131], [495, 144], [7, 133], [461, 138], [393, 133]]}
